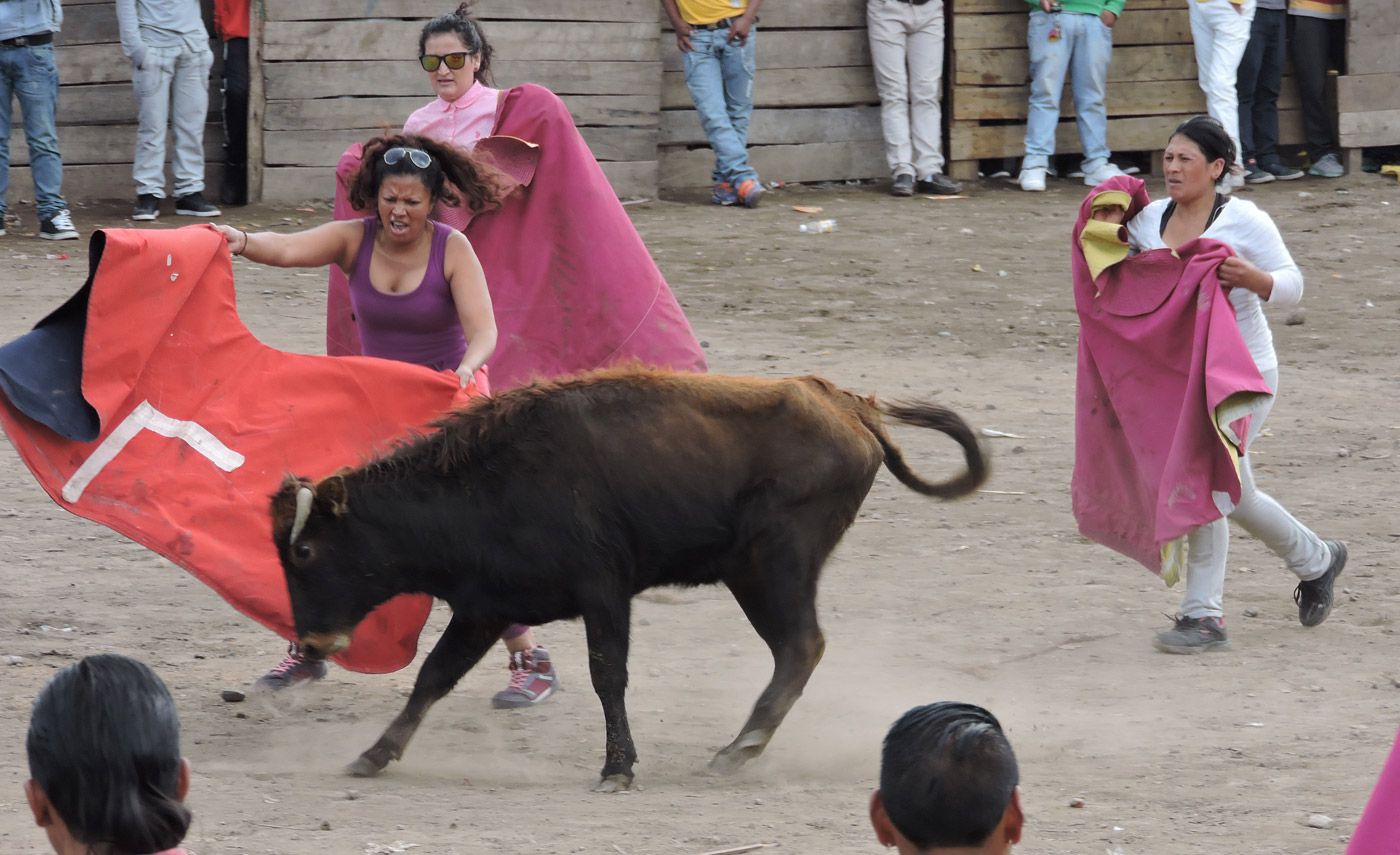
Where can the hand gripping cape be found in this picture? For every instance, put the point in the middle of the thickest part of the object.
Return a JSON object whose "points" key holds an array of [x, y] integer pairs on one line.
{"points": [[144, 404], [572, 284], [1164, 390]]}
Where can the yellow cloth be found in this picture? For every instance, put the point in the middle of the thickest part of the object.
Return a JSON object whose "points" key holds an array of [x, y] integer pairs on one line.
{"points": [[1391, 169], [709, 11]]}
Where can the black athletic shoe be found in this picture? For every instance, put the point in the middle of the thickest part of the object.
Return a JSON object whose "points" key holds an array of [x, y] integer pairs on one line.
{"points": [[147, 207], [939, 185], [1279, 170], [1314, 597], [903, 185], [58, 227], [1193, 635], [194, 205]]}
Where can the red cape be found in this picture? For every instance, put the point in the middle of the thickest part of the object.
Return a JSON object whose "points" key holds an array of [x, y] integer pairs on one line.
{"points": [[1160, 358], [573, 286], [146, 405]]}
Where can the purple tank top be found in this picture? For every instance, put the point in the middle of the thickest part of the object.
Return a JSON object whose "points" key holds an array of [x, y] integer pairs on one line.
{"points": [[420, 326]]}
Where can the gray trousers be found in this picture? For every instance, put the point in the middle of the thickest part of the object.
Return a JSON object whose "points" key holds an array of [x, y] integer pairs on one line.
{"points": [[1259, 514], [906, 49], [172, 88]]}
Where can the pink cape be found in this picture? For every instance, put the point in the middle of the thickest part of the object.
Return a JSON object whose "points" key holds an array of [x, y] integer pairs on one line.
{"points": [[1164, 380], [1378, 832], [146, 405], [573, 286]]}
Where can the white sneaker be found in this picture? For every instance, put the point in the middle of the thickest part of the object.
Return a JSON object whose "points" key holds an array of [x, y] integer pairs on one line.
{"points": [[1235, 180], [1032, 179], [1102, 174]]}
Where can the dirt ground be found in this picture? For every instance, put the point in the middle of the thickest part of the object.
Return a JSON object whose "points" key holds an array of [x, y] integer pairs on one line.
{"points": [[994, 600]]}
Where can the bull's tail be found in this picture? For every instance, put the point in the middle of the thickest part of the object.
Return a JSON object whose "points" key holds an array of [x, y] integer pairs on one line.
{"points": [[940, 419]]}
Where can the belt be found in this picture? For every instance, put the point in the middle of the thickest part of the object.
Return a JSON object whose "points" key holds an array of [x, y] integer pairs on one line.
{"points": [[721, 24], [27, 41], [913, 2]]}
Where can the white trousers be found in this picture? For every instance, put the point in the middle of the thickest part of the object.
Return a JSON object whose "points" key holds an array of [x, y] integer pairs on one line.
{"points": [[1259, 514], [172, 90], [906, 49], [1221, 34]]}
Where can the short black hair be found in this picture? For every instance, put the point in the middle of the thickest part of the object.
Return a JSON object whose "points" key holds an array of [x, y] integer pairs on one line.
{"points": [[947, 774], [104, 744], [1211, 136]]}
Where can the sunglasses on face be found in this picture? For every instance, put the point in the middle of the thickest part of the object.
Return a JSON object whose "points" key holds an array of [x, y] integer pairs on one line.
{"points": [[454, 61], [417, 156]]}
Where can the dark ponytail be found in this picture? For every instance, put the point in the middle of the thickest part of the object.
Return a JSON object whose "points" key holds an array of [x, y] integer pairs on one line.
{"points": [[104, 745], [455, 177], [461, 24]]}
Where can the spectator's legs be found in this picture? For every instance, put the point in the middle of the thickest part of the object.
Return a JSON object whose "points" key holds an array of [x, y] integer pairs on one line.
{"points": [[235, 183], [738, 64], [9, 73], [1247, 81], [189, 108], [1312, 52], [152, 86], [1049, 62], [926, 86], [705, 80], [36, 86], [1266, 91], [887, 25], [1091, 51], [1220, 35]]}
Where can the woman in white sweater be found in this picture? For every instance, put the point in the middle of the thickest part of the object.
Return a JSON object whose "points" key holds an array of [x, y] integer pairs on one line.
{"points": [[1198, 154]]}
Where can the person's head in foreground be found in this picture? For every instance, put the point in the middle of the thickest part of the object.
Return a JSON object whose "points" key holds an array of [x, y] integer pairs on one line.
{"points": [[106, 773], [948, 783]]}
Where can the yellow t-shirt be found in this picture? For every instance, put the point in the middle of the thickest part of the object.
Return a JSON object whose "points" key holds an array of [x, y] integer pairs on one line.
{"points": [[709, 11]]}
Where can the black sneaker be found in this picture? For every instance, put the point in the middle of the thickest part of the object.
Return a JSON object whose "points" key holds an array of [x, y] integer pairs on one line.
{"points": [[194, 205], [293, 670], [939, 185], [1280, 171], [1193, 635], [903, 185], [1314, 597], [147, 207], [58, 227], [1253, 174]]}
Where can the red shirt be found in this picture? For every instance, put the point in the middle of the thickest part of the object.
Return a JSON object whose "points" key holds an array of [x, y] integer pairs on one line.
{"points": [[231, 19]]}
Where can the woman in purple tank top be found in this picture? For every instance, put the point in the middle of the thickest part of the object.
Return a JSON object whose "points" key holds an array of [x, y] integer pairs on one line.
{"points": [[416, 286], [419, 295]]}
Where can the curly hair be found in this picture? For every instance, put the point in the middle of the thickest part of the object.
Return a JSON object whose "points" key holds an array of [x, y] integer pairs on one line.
{"points": [[454, 177], [461, 24]]}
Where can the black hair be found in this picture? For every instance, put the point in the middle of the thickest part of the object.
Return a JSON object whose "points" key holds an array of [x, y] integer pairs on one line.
{"points": [[454, 176], [104, 744], [461, 24], [947, 774], [1211, 136]]}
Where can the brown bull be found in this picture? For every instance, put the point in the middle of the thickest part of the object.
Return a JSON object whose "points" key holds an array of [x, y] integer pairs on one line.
{"points": [[568, 498]]}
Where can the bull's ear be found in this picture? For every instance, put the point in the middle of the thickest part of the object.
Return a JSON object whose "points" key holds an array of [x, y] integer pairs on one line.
{"points": [[284, 505], [334, 492]]}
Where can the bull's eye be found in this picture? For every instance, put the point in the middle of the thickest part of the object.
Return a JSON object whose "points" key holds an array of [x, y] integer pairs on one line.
{"points": [[302, 551]]}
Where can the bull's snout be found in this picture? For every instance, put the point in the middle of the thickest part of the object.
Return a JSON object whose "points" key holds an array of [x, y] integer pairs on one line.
{"points": [[319, 645]]}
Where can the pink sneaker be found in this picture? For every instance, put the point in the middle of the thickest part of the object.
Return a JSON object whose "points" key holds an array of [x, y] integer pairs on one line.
{"points": [[532, 681], [291, 671]]}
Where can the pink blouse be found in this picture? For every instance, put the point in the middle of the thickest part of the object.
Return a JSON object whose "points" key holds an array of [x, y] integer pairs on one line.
{"points": [[461, 122]]}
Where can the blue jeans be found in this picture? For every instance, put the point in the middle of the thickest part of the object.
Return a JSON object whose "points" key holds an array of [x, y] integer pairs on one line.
{"points": [[30, 73], [719, 74], [1083, 50]]}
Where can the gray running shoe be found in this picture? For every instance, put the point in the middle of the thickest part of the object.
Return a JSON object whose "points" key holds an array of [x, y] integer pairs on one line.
{"points": [[1328, 166], [532, 681], [1193, 635], [293, 670]]}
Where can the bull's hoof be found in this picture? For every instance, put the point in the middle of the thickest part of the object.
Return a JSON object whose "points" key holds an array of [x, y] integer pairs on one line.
{"points": [[733, 757], [365, 767], [618, 783]]}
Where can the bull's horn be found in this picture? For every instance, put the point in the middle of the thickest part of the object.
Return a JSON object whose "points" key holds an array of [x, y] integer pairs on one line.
{"points": [[304, 497]]}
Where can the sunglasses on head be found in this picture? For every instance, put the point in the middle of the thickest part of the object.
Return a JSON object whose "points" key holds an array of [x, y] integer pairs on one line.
{"points": [[417, 156], [431, 61]]}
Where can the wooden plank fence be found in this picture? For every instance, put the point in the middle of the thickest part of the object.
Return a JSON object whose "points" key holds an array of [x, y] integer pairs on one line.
{"points": [[1152, 83], [97, 111], [335, 72], [1368, 95]]}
